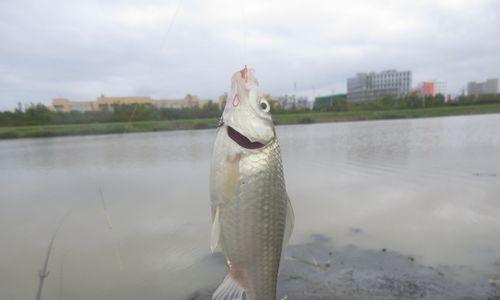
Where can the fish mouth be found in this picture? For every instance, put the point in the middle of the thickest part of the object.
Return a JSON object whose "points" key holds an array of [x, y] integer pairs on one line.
{"points": [[242, 140]]}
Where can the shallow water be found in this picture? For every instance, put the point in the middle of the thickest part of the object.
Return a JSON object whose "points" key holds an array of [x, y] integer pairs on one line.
{"points": [[428, 188]]}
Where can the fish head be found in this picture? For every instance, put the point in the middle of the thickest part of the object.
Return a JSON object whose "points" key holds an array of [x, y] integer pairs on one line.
{"points": [[246, 112]]}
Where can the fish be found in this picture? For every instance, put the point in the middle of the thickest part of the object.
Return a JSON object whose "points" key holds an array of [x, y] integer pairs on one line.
{"points": [[252, 216]]}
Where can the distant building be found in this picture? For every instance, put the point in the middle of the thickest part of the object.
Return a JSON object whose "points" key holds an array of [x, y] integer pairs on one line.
{"points": [[426, 88], [490, 86], [431, 88], [61, 104], [440, 87], [370, 86], [104, 103]]}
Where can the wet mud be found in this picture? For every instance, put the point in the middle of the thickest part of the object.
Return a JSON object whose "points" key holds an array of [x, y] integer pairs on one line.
{"points": [[320, 270]]}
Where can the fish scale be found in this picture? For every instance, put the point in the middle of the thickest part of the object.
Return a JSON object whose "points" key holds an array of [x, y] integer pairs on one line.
{"points": [[253, 222]]}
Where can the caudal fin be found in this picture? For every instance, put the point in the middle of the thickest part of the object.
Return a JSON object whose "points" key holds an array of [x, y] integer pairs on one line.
{"points": [[229, 289]]}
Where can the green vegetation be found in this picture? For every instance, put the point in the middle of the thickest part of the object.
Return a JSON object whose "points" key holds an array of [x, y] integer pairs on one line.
{"points": [[280, 119], [331, 103], [103, 128], [361, 115], [38, 121], [39, 114], [340, 103]]}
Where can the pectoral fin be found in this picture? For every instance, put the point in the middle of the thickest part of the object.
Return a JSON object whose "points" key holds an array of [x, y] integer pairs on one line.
{"points": [[214, 241]]}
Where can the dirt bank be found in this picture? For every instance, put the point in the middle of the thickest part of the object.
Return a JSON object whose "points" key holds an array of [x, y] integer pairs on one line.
{"points": [[320, 270]]}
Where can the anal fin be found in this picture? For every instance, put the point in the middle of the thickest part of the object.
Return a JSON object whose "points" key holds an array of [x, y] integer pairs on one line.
{"points": [[229, 289]]}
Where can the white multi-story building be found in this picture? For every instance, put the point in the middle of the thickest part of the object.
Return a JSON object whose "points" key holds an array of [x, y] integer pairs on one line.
{"points": [[370, 86], [441, 87], [490, 86]]}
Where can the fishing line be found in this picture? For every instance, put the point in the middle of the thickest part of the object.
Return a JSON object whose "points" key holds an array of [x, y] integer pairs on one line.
{"points": [[245, 30], [105, 208], [116, 248], [170, 24], [162, 44]]}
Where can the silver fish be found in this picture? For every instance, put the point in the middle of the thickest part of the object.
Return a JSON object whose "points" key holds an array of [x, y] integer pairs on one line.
{"points": [[251, 212]]}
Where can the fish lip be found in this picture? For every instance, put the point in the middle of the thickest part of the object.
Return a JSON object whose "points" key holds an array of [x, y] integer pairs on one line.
{"points": [[242, 140]]}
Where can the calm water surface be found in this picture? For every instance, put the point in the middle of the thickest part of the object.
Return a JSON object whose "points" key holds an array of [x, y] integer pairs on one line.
{"points": [[429, 188]]}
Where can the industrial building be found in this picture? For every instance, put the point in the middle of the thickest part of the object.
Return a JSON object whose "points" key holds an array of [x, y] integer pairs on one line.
{"points": [[370, 86]]}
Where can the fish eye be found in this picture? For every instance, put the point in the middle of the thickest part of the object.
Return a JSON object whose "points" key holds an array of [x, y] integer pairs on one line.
{"points": [[264, 105]]}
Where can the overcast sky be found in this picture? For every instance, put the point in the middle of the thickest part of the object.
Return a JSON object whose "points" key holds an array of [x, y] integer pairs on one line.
{"points": [[81, 49]]}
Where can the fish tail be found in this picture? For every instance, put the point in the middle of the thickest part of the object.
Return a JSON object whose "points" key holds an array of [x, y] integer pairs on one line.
{"points": [[229, 289]]}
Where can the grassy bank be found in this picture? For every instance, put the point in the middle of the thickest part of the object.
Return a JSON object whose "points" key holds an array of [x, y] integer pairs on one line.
{"points": [[280, 119], [324, 117]]}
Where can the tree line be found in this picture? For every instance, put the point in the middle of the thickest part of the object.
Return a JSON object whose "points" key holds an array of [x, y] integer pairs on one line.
{"points": [[39, 114], [340, 103]]}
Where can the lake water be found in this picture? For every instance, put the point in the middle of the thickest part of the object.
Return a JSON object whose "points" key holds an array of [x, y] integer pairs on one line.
{"points": [[429, 188]]}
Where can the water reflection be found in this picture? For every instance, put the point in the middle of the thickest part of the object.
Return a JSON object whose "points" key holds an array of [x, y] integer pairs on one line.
{"points": [[408, 185], [381, 142]]}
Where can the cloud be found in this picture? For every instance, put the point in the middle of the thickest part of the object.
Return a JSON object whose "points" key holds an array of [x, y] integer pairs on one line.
{"points": [[80, 49]]}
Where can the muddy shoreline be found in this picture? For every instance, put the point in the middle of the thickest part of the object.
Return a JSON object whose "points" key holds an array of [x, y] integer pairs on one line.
{"points": [[320, 270]]}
